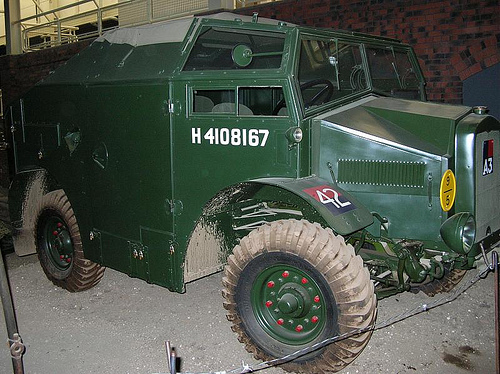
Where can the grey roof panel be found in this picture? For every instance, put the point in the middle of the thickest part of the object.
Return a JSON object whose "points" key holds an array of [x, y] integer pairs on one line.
{"points": [[172, 31]]}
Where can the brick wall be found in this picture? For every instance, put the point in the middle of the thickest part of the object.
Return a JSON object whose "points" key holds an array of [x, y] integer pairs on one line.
{"points": [[453, 39], [20, 72]]}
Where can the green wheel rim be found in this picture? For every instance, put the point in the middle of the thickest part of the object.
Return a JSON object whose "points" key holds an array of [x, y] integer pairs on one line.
{"points": [[289, 304], [57, 243]]}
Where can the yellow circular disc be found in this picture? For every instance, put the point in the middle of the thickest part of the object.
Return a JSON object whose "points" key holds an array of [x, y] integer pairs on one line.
{"points": [[447, 190]]}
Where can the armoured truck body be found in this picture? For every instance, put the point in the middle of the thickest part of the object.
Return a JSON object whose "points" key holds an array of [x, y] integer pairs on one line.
{"points": [[305, 163]]}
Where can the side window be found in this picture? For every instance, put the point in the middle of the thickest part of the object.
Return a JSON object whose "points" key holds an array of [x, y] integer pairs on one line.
{"points": [[262, 101], [214, 101], [252, 101], [213, 50]]}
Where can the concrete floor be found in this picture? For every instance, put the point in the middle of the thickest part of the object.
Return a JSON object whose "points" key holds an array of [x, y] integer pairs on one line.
{"points": [[120, 327]]}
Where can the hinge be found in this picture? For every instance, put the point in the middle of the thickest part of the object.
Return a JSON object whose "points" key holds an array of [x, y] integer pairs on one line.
{"points": [[174, 206], [170, 106]]}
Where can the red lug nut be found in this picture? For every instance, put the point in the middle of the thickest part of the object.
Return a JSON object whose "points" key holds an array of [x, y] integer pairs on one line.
{"points": [[299, 328], [281, 321], [314, 319], [304, 280], [55, 233], [270, 284], [285, 274], [269, 303], [316, 299]]}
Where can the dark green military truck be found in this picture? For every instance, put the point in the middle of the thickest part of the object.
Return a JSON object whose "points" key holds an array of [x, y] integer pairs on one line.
{"points": [[305, 162]]}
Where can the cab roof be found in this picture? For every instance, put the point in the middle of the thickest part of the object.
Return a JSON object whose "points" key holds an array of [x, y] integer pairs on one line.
{"points": [[151, 52]]}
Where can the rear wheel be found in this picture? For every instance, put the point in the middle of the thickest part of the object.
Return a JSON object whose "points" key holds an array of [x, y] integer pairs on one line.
{"points": [[59, 245], [291, 284]]}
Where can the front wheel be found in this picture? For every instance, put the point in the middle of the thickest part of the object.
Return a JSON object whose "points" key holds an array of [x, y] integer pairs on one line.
{"points": [[59, 245], [291, 284]]}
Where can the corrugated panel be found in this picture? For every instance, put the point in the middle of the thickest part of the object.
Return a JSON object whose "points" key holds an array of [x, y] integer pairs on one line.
{"points": [[382, 173], [134, 13], [137, 13], [172, 8]]}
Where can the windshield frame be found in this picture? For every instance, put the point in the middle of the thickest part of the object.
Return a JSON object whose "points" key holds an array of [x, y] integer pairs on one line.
{"points": [[362, 41]]}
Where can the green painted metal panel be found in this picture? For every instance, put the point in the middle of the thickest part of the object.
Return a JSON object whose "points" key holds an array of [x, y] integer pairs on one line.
{"points": [[372, 181], [212, 151], [128, 167]]}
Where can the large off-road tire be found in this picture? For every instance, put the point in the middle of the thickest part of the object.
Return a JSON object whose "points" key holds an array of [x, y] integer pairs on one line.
{"points": [[59, 245], [291, 284]]}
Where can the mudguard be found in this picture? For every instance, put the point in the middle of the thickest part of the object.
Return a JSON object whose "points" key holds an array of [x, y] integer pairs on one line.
{"points": [[340, 210], [26, 190]]}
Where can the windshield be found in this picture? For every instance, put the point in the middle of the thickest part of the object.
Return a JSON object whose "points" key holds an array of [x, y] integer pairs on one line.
{"points": [[392, 72], [330, 70]]}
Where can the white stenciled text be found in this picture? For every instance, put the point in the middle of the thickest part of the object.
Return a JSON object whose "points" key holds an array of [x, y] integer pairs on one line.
{"points": [[232, 137]]}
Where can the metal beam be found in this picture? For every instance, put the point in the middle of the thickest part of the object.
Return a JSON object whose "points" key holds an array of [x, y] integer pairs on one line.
{"points": [[13, 27]]}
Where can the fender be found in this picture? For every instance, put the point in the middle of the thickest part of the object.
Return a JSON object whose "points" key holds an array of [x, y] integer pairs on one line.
{"points": [[214, 235], [342, 212], [25, 192]]}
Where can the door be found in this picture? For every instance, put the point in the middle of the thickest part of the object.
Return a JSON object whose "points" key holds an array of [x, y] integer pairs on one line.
{"points": [[226, 133], [129, 179]]}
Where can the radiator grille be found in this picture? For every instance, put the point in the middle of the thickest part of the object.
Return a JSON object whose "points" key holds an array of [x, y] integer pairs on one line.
{"points": [[382, 173]]}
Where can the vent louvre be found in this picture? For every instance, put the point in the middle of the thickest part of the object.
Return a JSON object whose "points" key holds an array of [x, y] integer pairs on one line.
{"points": [[382, 173]]}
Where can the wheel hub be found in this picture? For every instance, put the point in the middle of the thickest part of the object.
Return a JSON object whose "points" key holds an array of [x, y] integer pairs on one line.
{"points": [[58, 242], [288, 304]]}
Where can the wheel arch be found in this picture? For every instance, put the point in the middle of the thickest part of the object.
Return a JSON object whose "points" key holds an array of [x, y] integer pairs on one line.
{"points": [[236, 210]]}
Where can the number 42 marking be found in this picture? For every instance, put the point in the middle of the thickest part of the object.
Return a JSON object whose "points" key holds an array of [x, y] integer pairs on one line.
{"points": [[325, 199]]}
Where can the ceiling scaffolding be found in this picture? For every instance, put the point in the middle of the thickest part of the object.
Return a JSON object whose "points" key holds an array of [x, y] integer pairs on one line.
{"points": [[46, 24]]}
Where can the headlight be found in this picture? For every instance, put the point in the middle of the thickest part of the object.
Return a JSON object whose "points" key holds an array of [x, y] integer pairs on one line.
{"points": [[459, 232], [294, 135]]}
